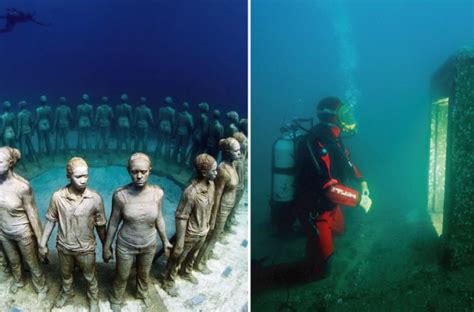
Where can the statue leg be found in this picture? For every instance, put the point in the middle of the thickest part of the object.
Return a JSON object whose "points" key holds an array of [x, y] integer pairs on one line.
{"points": [[86, 262], [124, 263], [11, 251], [29, 252], [66, 268], [144, 262]]}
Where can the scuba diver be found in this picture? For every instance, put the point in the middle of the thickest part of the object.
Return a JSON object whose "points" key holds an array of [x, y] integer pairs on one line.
{"points": [[13, 17], [323, 172]]}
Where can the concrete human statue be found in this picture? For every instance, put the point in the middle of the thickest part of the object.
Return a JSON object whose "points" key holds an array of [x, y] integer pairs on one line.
{"points": [[63, 121], [184, 128], [243, 126], [4, 267], [85, 117], [77, 210], [103, 123], [166, 124], [241, 168], [24, 134], [192, 223], [233, 123], [216, 133], [44, 119], [226, 190], [199, 135], [137, 208], [20, 226], [8, 126], [142, 122], [124, 121]]}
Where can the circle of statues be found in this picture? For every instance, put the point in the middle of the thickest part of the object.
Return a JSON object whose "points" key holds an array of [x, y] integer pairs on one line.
{"points": [[205, 213]]}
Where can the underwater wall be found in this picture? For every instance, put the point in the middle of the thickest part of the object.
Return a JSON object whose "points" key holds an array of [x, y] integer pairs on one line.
{"points": [[454, 82]]}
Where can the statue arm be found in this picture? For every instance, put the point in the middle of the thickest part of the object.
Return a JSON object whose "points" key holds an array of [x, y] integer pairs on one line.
{"points": [[114, 221], [220, 183], [48, 229], [100, 221], [32, 213], [161, 227]]}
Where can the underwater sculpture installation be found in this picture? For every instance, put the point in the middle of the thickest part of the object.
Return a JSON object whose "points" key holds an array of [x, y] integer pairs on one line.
{"points": [[103, 122], [124, 121], [85, 116], [225, 194], [166, 124], [8, 125], [137, 207], [77, 210], [184, 128], [63, 120], [215, 134], [142, 122], [20, 226], [241, 168], [44, 119], [199, 134], [192, 223], [25, 131]]}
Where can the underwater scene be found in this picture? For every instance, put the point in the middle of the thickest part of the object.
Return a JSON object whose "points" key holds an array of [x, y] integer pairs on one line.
{"points": [[145, 103], [362, 137]]}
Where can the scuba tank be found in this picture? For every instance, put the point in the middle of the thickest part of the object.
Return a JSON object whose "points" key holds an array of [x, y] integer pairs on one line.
{"points": [[284, 173]]}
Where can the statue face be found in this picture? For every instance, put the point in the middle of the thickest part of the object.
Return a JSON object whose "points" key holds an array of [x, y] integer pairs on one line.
{"points": [[139, 171], [235, 151], [79, 177], [4, 164], [212, 173]]}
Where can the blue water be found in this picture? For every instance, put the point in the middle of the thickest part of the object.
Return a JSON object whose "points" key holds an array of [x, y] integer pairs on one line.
{"points": [[103, 180], [378, 56], [191, 50]]}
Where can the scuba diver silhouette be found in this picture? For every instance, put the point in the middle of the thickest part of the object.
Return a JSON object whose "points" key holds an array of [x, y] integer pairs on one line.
{"points": [[13, 17]]}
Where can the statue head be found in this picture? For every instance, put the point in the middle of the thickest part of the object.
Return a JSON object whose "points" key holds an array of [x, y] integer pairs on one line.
{"points": [[203, 107], [242, 139], [230, 148], [77, 172], [169, 100], [7, 105], [139, 168], [233, 117], [205, 166], [9, 156], [22, 104]]}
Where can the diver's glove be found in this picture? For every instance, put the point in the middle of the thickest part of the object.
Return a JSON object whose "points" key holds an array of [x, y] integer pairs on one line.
{"points": [[365, 188], [365, 202]]}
